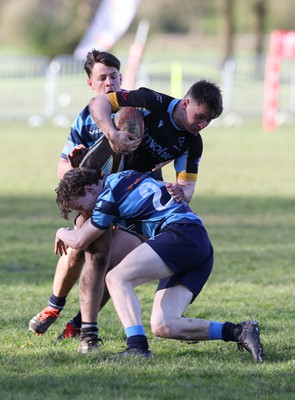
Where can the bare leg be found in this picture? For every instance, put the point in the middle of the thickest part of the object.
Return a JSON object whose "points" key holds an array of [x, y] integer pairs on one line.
{"points": [[67, 272], [91, 286], [123, 244], [69, 267], [139, 266], [167, 320], [143, 265], [108, 251]]}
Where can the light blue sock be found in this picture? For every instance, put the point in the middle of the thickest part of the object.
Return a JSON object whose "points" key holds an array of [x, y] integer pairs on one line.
{"points": [[215, 330], [134, 330]]}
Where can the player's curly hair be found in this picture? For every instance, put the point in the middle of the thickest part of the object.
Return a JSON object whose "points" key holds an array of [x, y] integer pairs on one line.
{"points": [[206, 92], [72, 185], [103, 57]]}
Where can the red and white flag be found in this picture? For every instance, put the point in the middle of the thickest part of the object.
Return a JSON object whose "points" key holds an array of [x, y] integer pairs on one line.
{"points": [[110, 22]]}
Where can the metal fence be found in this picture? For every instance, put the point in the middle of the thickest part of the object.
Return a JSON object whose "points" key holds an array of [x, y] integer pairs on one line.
{"points": [[37, 89]]}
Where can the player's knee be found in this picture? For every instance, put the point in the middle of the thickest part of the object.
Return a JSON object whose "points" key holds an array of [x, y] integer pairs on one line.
{"points": [[110, 279], [97, 252], [97, 258], [115, 281], [76, 259], [160, 327]]}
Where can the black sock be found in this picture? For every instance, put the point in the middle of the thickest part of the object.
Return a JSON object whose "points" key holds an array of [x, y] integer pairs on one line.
{"points": [[228, 332], [57, 302], [89, 328], [77, 320], [137, 341]]}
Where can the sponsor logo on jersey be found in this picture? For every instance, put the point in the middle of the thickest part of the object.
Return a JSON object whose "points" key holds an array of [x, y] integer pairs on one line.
{"points": [[180, 143], [156, 148], [161, 123], [158, 97], [95, 132]]}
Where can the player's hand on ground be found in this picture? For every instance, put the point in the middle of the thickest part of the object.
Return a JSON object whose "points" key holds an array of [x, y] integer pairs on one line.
{"points": [[176, 191], [76, 155]]}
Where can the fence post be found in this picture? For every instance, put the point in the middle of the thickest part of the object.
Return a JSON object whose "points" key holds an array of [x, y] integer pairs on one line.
{"points": [[52, 71], [227, 84], [176, 80]]}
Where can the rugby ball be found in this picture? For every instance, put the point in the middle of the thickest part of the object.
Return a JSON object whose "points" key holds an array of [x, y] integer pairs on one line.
{"points": [[129, 119]]}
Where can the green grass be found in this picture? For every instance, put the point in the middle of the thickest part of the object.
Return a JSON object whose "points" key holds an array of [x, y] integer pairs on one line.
{"points": [[245, 195]]}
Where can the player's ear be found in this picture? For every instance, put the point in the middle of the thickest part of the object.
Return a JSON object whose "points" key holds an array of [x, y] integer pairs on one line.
{"points": [[89, 83], [120, 75], [185, 102], [88, 189]]}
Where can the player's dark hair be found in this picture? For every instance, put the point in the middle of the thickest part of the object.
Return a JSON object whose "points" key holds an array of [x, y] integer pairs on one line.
{"points": [[206, 92], [72, 186], [103, 57]]}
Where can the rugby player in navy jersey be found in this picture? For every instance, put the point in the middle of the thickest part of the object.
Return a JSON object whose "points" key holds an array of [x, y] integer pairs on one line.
{"points": [[172, 128], [178, 253], [202, 103]]}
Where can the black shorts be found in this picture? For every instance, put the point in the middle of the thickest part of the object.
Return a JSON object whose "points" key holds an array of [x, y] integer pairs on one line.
{"points": [[186, 249]]}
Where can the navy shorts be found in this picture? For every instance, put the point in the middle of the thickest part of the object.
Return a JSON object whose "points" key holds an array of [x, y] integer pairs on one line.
{"points": [[186, 249]]}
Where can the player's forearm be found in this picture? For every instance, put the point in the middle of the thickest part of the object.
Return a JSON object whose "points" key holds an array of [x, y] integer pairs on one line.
{"points": [[101, 109], [79, 238], [71, 238], [62, 167], [187, 193], [188, 189]]}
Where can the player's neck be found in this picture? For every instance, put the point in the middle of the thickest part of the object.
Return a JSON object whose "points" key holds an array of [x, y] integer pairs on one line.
{"points": [[177, 115]]}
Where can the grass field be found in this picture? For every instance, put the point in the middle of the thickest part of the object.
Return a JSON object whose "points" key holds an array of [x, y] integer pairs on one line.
{"points": [[245, 195]]}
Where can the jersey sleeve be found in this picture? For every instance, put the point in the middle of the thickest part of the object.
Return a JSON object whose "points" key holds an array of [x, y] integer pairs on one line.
{"points": [[105, 211], [163, 139], [142, 98], [187, 165], [73, 140]]}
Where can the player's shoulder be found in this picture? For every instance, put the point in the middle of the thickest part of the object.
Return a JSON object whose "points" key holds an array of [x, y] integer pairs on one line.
{"points": [[196, 138], [159, 95], [144, 89], [128, 175], [117, 182], [84, 113], [82, 116]]}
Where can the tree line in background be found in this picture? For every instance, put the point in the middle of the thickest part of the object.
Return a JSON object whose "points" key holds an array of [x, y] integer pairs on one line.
{"points": [[52, 27]]}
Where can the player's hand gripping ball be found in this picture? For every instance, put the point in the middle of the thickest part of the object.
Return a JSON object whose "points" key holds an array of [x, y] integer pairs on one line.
{"points": [[129, 119]]}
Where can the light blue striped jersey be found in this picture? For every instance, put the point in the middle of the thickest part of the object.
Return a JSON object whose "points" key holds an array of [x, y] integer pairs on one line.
{"points": [[139, 203], [83, 131]]}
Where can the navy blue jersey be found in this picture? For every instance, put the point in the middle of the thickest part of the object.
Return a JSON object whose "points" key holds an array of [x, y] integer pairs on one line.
{"points": [[139, 203], [163, 140]]}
